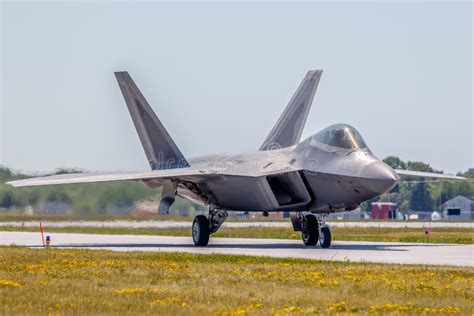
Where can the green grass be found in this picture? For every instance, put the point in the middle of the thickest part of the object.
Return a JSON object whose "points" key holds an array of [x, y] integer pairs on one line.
{"points": [[15, 217], [437, 235], [94, 281]]}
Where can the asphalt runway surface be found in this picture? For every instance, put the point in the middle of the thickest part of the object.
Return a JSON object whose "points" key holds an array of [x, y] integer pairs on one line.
{"points": [[187, 224], [402, 253]]}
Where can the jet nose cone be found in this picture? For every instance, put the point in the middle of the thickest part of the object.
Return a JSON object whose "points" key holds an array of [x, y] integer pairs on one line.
{"points": [[379, 177]]}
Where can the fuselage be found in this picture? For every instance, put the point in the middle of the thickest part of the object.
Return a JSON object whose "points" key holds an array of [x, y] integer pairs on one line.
{"points": [[320, 174]]}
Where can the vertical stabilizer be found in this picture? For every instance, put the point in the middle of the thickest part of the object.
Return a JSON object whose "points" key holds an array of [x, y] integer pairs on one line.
{"points": [[160, 149], [287, 130]]}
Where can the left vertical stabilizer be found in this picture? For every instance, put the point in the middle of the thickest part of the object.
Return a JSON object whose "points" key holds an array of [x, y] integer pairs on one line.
{"points": [[160, 149]]}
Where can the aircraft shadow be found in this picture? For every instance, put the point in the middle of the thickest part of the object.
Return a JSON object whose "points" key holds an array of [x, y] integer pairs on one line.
{"points": [[274, 246]]}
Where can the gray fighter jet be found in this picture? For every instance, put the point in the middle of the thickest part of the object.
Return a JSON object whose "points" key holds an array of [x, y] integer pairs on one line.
{"points": [[330, 171]]}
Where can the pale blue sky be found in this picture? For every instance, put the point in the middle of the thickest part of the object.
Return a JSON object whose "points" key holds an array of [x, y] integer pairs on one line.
{"points": [[219, 75]]}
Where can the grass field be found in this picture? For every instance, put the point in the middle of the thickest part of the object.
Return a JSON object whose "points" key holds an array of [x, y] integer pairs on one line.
{"points": [[7, 217], [437, 235], [86, 281]]}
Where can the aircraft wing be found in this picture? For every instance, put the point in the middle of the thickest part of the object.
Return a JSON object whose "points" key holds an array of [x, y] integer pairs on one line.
{"points": [[104, 177], [410, 173]]}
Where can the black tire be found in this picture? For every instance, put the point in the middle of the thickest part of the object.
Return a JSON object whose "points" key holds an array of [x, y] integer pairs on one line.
{"points": [[201, 231], [311, 235], [325, 240]]}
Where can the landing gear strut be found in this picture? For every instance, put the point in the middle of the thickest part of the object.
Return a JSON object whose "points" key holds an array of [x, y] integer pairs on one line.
{"points": [[204, 226]]}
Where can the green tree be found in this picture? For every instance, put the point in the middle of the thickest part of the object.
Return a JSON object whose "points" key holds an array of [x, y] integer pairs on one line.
{"points": [[6, 199], [33, 198], [395, 162], [5, 174], [421, 200], [58, 195], [419, 166], [465, 189]]}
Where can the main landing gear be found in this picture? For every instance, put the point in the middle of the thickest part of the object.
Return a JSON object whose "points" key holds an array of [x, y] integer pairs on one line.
{"points": [[313, 229], [204, 226]]}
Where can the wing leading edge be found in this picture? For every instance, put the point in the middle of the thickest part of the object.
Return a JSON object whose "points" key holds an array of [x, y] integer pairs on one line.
{"points": [[410, 173], [104, 177]]}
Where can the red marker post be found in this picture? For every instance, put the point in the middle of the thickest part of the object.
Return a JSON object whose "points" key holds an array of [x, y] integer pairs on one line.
{"points": [[42, 235]]}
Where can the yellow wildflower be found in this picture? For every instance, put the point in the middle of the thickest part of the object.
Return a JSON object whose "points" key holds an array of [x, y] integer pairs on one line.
{"points": [[125, 291], [337, 307], [9, 283]]}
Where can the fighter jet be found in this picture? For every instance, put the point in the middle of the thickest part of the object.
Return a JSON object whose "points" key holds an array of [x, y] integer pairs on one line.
{"points": [[330, 171]]}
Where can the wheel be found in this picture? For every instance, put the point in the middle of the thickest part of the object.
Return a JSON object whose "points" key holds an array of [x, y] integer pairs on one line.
{"points": [[310, 231], [325, 238], [201, 230]]}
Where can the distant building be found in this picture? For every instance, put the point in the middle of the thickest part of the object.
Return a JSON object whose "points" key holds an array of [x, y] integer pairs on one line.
{"points": [[352, 215], [383, 210], [459, 208]]}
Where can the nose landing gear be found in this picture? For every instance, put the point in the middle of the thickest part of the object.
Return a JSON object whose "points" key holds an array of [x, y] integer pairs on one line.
{"points": [[313, 229], [204, 226]]}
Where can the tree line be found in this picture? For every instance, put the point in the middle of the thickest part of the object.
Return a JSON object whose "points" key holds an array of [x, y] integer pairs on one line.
{"points": [[423, 194]]}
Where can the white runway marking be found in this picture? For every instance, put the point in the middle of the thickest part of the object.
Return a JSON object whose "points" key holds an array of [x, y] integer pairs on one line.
{"points": [[403, 253]]}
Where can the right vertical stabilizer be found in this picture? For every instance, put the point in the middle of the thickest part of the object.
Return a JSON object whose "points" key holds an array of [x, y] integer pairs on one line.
{"points": [[287, 130]]}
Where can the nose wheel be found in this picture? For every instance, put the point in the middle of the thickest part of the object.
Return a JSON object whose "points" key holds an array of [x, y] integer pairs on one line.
{"points": [[324, 232], [325, 237]]}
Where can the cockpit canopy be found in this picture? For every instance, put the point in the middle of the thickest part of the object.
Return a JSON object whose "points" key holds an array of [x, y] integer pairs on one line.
{"points": [[341, 136]]}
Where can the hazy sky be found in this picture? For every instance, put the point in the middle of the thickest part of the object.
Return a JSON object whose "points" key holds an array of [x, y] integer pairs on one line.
{"points": [[219, 75]]}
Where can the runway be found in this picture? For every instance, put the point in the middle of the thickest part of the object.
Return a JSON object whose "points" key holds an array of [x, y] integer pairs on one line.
{"points": [[402, 253], [187, 224]]}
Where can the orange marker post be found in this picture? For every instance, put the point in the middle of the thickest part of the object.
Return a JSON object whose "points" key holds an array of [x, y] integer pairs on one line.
{"points": [[42, 235]]}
